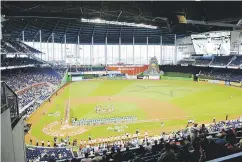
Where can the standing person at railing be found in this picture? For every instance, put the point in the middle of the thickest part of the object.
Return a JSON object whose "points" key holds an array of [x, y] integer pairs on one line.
{"points": [[42, 143]]}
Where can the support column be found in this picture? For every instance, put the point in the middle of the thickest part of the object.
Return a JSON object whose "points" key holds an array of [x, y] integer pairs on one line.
{"points": [[147, 49], [78, 53], [175, 58], [65, 47], [139, 54], [91, 53], [1, 32], [161, 54], [126, 57], [40, 40], [48, 51], [83, 55], [53, 46], [133, 48], [23, 36], [112, 54], [119, 50], [106, 51], [62, 52]]}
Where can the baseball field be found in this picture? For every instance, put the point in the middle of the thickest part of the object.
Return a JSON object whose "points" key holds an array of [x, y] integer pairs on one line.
{"points": [[150, 101]]}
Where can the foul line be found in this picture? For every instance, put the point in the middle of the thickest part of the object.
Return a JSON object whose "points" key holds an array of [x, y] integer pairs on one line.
{"points": [[67, 110]]}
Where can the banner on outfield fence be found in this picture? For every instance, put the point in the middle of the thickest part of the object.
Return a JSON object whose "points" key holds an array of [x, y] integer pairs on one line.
{"points": [[213, 81], [203, 80], [236, 84], [154, 77], [76, 78], [131, 77], [227, 83], [221, 82], [140, 77]]}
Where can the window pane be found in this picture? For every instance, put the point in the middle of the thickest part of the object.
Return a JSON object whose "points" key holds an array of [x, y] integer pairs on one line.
{"points": [[137, 54], [144, 55], [109, 54], [87, 54], [115, 54], [129, 49]]}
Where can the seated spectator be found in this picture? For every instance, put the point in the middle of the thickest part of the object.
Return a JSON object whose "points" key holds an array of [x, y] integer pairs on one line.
{"points": [[239, 145], [86, 159], [97, 157], [220, 140], [168, 155], [117, 156], [155, 147], [148, 147], [137, 159], [127, 155]]}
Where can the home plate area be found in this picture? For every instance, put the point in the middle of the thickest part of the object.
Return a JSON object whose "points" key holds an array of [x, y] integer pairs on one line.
{"points": [[56, 130]]}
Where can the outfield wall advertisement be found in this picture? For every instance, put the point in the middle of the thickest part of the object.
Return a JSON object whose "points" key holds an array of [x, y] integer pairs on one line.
{"points": [[131, 77], [76, 78], [154, 77], [175, 78], [236, 84], [130, 70]]}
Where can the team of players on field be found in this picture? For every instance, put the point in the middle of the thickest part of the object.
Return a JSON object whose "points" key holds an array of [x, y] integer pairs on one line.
{"points": [[107, 120]]}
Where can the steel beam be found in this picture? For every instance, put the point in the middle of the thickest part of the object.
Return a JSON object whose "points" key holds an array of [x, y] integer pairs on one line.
{"points": [[64, 36], [25, 27], [39, 29], [53, 30], [196, 22]]}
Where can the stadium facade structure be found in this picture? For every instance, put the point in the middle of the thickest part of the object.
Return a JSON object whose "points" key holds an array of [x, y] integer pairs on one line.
{"points": [[12, 126]]}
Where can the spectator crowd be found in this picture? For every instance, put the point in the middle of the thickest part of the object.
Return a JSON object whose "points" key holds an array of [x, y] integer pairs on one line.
{"points": [[33, 85], [193, 144]]}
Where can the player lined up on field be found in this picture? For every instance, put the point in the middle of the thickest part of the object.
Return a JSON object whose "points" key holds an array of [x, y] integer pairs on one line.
{"points": [[108, 120]]}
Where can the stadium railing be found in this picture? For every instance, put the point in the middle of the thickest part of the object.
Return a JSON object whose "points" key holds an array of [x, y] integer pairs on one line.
{"points": [[237, 157]]}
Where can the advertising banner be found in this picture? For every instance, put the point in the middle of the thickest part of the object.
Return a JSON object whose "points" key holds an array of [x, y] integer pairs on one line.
{"points": [[130, 70], [131, 77], [213, 81], [221, 82], [203, 80], [76, 78], [154, 77], [140, 77], [236, 84], [227, 83]]}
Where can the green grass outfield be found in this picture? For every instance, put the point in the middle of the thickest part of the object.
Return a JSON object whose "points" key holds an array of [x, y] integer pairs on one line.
{"points": [[201, 101]]}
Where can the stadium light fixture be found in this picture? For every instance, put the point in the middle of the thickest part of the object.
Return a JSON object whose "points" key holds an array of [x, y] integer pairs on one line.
{"points": [[99, 21]]}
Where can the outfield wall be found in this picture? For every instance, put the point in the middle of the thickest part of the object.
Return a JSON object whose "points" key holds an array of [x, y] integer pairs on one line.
{"points": [[221, 82], [175, 78]]}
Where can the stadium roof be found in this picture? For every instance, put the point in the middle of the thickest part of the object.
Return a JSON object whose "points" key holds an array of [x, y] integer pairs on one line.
{"points": [[63, 18]]}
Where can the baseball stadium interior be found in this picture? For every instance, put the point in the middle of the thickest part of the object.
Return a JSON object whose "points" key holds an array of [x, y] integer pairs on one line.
{"points": [[113, 81]]}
